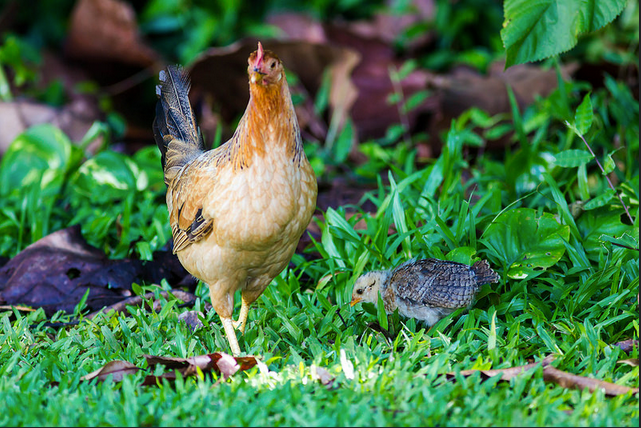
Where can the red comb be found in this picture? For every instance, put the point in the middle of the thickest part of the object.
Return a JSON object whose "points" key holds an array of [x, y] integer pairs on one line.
{"points": [[259, 55]]}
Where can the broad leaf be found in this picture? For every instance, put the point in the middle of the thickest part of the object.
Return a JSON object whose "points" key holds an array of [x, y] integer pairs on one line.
{"points": [[599, 200], [572, 158], [39, 149], [584, 115], [534, 30], [528, 242]]}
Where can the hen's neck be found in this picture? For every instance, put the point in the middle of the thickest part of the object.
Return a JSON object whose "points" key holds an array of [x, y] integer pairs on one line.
{"points": [[269, 122]]}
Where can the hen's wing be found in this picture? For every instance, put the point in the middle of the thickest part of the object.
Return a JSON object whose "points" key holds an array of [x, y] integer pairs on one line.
{"points": [[435, 282], [185, 196]]}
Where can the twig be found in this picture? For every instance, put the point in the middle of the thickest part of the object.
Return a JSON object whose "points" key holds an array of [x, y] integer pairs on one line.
{"points": [[606, 176]]}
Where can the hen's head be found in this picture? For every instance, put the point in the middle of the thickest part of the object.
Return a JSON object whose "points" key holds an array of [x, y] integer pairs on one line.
{"points": [[265, 68], [368, 285]]}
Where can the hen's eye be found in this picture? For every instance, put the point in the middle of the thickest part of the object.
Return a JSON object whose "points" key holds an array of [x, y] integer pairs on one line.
{"points": [[359, 291], [273, 64]]}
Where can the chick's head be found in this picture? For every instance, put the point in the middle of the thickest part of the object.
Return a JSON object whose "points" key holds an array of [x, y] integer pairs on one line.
{"points": [[368, 285], [265, 68]]}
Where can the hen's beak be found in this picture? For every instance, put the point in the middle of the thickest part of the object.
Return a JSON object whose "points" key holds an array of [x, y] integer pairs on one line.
{"points": [[355, 300]]}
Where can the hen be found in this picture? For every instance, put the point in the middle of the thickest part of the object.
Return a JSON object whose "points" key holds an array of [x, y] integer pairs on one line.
{"points": [[427, 289], [238, 211]]}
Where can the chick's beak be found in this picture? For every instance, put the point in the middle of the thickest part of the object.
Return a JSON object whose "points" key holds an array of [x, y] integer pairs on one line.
{"points": [[355, 300]]}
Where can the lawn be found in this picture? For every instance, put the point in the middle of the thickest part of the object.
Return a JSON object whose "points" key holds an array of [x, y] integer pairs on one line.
{"points": [[524, 189]]}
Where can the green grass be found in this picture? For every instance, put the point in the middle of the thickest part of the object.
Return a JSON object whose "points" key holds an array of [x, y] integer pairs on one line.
{"points": [[540, 213]]}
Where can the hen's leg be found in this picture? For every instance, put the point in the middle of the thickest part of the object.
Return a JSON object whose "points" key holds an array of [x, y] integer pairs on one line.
{"points": [[222, 299], [242, 318], [228, 324]]}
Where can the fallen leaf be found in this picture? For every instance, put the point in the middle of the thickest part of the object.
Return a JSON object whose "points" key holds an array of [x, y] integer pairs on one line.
{"points": [[106, 30], [227, 365], [221, 72], [118, 369], [506, 374], [74, 119], [388, 27], [322, 375], [218, 361], [569, 380], [371, 112], [17, 308], [628, 345], [192, 319], [54, 273], [634, 362], [298, 26]]}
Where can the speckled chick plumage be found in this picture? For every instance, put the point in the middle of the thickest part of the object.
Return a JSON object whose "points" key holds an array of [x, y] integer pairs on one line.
{"points": [[427, 289]]}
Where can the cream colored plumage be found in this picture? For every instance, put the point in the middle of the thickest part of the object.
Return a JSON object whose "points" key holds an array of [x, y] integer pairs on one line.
{"points": [[238, 211]]}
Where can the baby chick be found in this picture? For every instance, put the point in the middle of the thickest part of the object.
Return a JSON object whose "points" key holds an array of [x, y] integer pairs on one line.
{"points": [[427, 289]]}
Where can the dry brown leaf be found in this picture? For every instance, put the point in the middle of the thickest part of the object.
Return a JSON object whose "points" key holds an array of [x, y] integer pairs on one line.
{"points": [[552, 374], [322, 375], [221, 72], [464, 88], [192, 319], [118, 369], [388, 27], [298, 26], [218, 361], [371, 112], [55, 272], [106, 30], [506, 374], [74, 119], [569, 380], [17, 308], [634, 362], [628, 345], [227, 365]]}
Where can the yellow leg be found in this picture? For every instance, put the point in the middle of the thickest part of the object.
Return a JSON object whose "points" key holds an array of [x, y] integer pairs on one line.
{"points": [[242, 318], [231, 335]]}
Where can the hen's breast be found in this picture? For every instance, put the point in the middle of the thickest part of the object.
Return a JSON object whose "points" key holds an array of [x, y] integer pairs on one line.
{"points": [[261, 205]]}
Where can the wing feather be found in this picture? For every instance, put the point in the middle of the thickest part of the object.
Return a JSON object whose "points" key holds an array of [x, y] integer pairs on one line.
{"points": [[435, 282], [185, 196]]}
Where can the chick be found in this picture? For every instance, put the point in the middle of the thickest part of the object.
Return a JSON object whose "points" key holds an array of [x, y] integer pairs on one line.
{"points": [[427, 289]]}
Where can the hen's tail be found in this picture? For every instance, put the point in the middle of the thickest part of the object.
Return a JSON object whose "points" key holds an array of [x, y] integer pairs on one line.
{"points": [[175, 129], [484, 273]]}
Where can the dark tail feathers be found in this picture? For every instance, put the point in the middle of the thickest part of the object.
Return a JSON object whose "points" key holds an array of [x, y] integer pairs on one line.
{"points": [[484, 273], [175, 129]]}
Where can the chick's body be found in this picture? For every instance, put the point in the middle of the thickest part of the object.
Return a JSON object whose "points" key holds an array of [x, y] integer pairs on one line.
{"points": [[427, 289], [238, 211]]}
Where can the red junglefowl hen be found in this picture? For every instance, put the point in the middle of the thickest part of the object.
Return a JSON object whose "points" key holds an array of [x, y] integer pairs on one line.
{"points": [[238, 211]]}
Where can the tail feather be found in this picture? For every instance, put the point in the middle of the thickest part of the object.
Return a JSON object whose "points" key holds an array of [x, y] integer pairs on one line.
{"points": [[484, 273], [175, 129]]}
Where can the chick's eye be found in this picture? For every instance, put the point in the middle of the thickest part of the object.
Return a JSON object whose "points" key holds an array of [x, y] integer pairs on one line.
{"points": [[359, 291]]}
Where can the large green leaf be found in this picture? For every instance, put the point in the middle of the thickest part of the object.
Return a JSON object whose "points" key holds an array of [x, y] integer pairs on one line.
{"points": [[40, 154], [534, 30], [107, 175], [529, 242], [595, 225]]}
